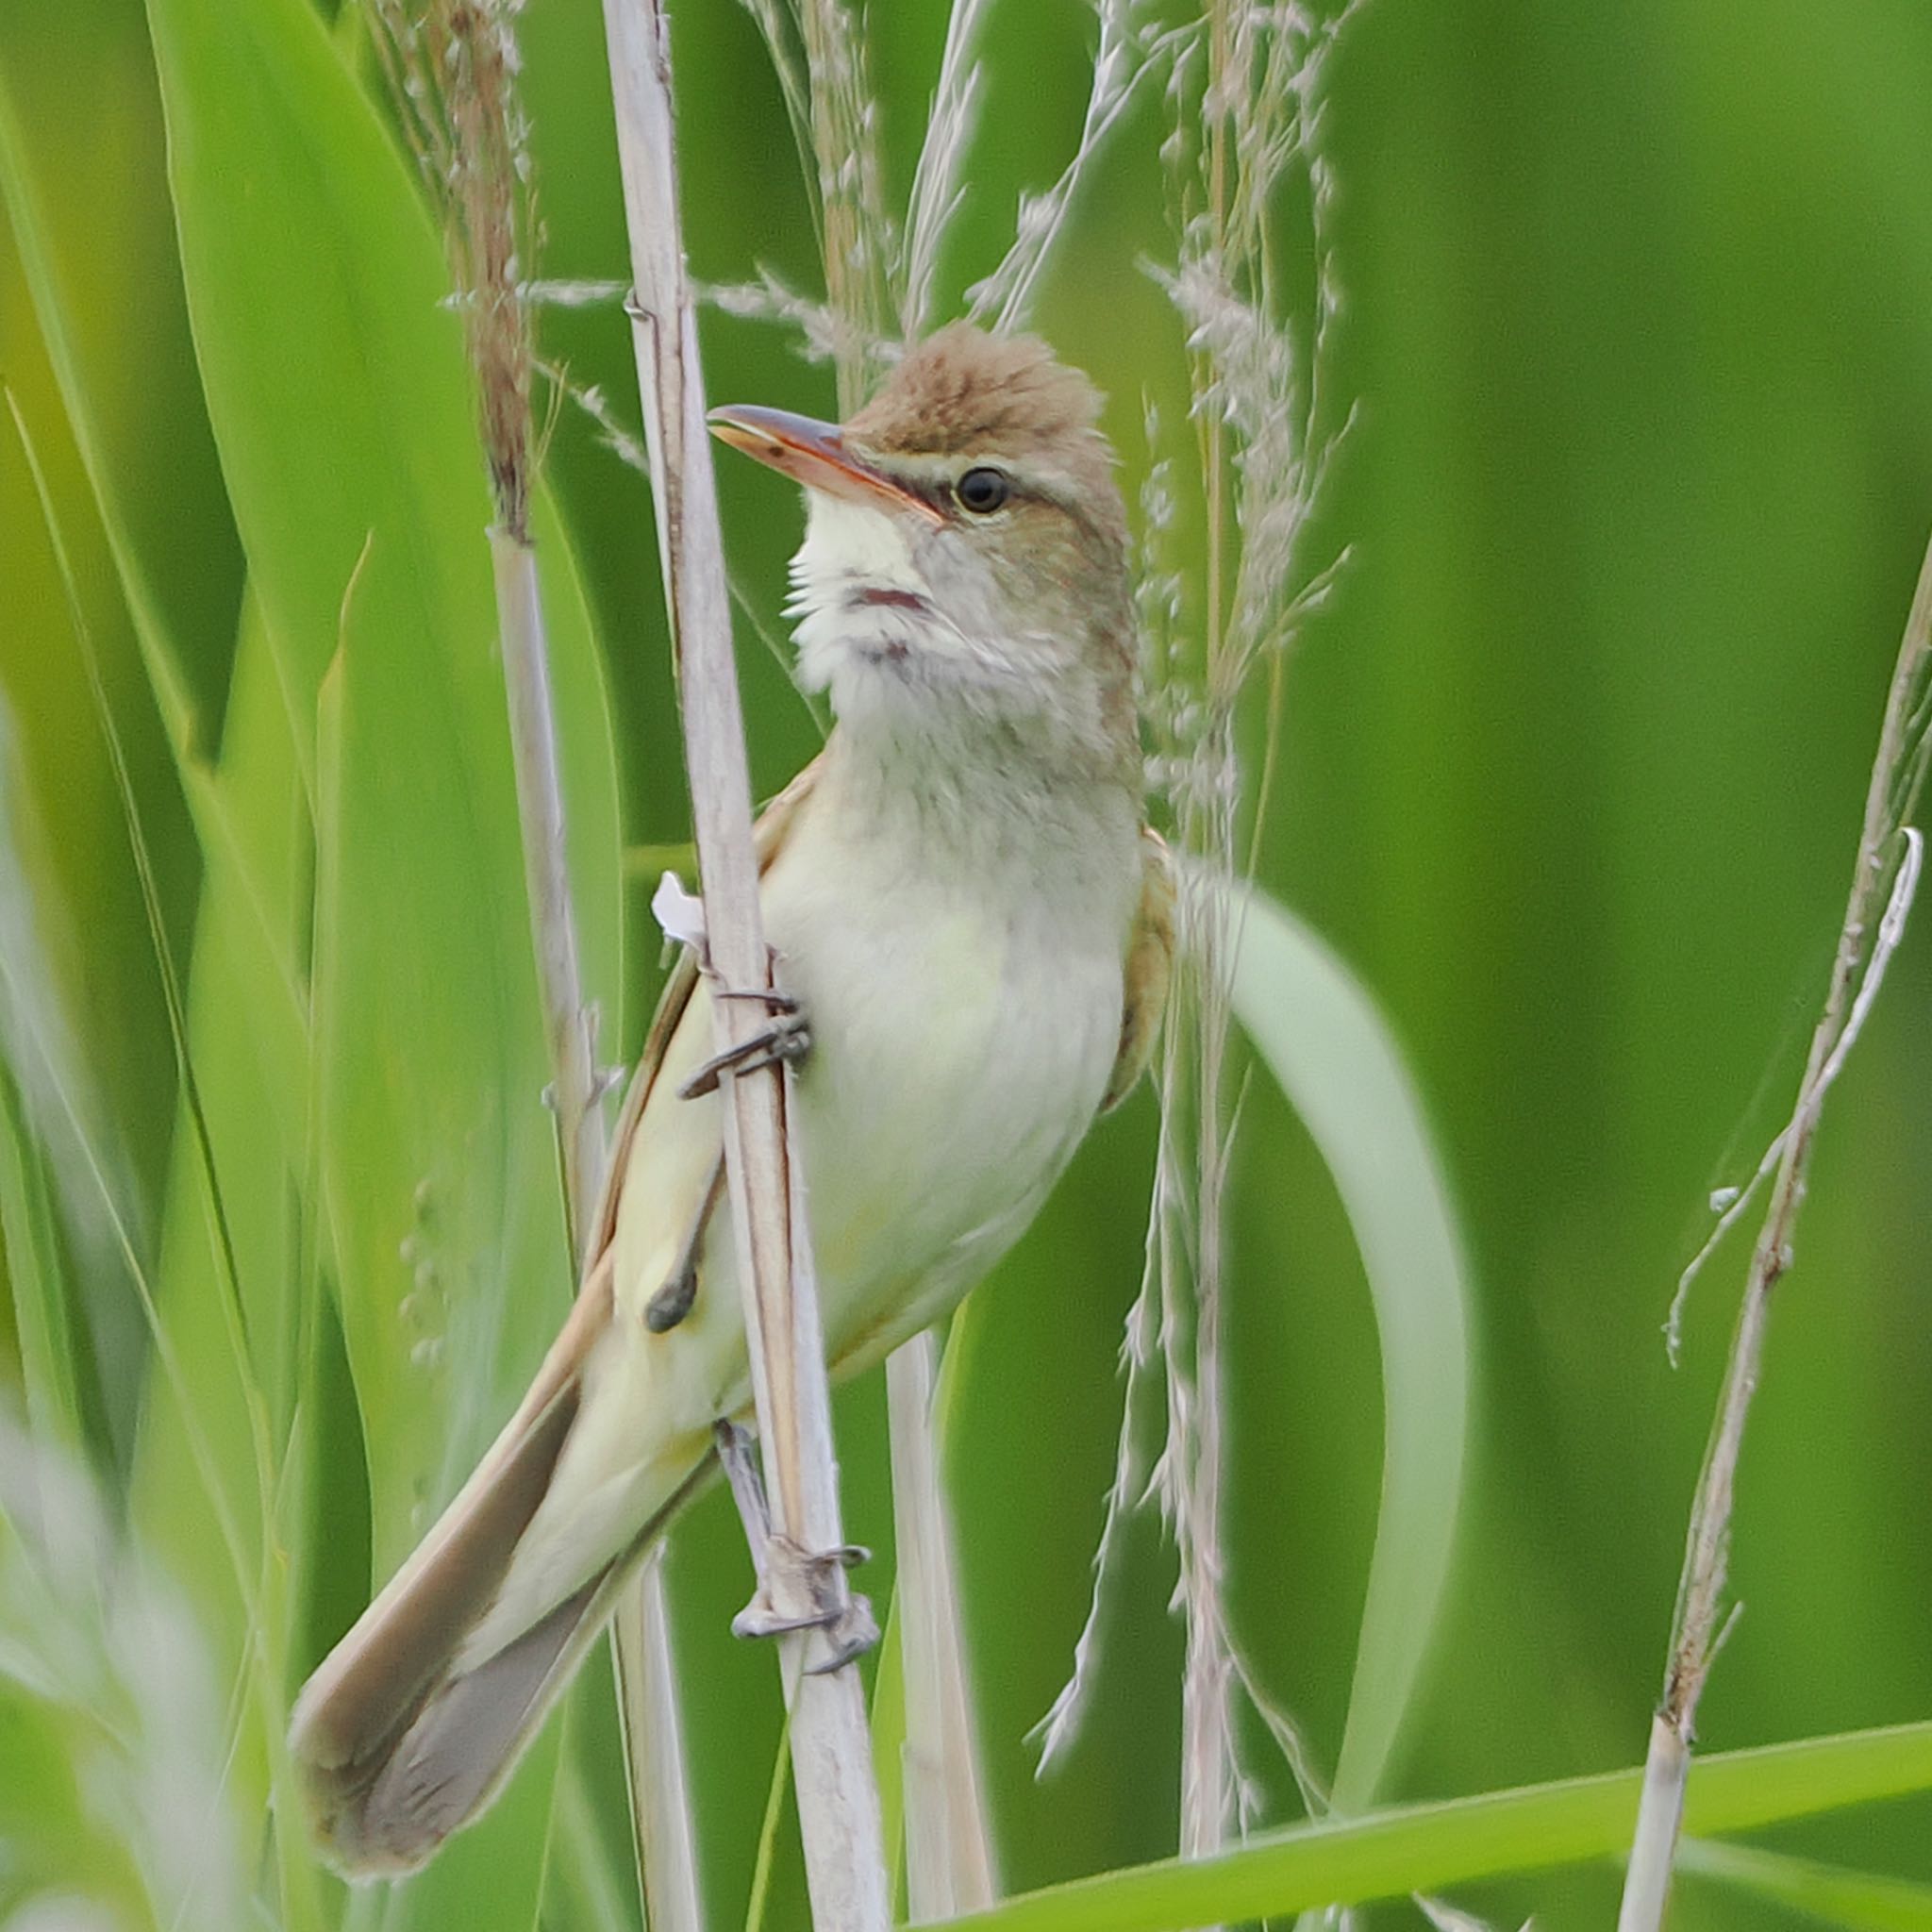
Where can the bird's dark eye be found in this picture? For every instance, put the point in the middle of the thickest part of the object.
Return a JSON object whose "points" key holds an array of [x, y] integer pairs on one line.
{"points": [[982, 490]]}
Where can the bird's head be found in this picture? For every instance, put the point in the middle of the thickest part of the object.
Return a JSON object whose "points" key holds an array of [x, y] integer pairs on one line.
{"points": [[965, 552]]}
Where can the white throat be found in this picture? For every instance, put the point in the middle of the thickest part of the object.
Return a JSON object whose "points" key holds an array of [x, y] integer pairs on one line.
{"points": [[941, 704], [859, 600], [907, 630]]}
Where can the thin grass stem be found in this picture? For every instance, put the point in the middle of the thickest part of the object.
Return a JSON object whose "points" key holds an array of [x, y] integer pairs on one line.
{"points": [[838, 1801], [949, 1860], [568, 1027], [453, 70], [661, 1810], [1884, 874]]}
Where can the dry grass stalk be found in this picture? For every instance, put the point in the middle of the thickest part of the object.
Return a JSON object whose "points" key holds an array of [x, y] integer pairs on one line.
{"points": [[857, 240], [1263, 450], [1884, 877], [1245, 91], [949, 1860], [453, 66], [653, 1754], [838, 1803], [938, 185], [569, 1029], [874, 264]]}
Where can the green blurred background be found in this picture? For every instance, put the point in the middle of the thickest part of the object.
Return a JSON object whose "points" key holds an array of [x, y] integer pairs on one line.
{"points": [[1573, 764]]}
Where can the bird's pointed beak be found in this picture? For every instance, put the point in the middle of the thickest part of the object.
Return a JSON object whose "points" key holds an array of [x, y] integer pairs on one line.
{"points": [[816, 454]]}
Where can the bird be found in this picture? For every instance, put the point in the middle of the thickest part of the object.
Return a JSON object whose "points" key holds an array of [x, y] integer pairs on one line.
{"points": [[973, 928]]}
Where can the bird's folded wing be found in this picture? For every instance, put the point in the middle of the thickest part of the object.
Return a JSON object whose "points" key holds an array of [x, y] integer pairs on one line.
{"points": [[381, 1678], [1149, 969]]}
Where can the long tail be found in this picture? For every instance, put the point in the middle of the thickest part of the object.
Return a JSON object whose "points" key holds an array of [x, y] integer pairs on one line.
{"points": [[401, 1735]]}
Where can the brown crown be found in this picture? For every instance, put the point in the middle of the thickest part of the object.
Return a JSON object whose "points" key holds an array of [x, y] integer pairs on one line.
{"points": [[963, 392]]}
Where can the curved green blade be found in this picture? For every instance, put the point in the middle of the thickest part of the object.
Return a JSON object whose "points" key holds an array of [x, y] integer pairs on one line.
{"points": [[1324, 1041]]}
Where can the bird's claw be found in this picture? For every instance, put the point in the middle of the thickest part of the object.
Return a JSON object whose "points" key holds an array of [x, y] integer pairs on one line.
{"points": [[787, 1038], [800, 1589]]}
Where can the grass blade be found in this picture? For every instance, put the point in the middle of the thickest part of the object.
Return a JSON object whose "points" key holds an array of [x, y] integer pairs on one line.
{"points": [[1430, 1847], [72, 286], [1331, 1050], [1864, 1901], [49, 1358]]}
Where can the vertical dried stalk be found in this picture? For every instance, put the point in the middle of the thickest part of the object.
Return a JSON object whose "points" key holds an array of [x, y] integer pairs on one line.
{"points": [[653, 1754], [1194, 1059], [646, 1675], [453, 70], [1130, 47], [938, 187], [1205, 821], [540, 807], [855, 236], [949, 1862], [838, 1803], [1262, 451], [453, 67], [1866, 943], [1244, 94]]}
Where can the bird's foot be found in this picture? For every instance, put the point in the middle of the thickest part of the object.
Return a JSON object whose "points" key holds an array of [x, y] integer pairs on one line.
{"points": [[787, 1038], [805, 1589], [797, 1589]]}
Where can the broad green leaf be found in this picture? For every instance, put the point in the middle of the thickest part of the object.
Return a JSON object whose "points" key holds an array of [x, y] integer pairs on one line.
{"points": [[247, 1043], [1431, 1847], [358, 492], [342, 411], [1320, 1032], [87, 212], [91, 1080], [218, 1405], [193, 1149], [224, 1476]]}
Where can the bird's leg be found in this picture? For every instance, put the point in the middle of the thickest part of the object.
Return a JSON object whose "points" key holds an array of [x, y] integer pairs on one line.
{"points": [[673, 1302], [747, 1487], [787, 1038], [798, 1589]]}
